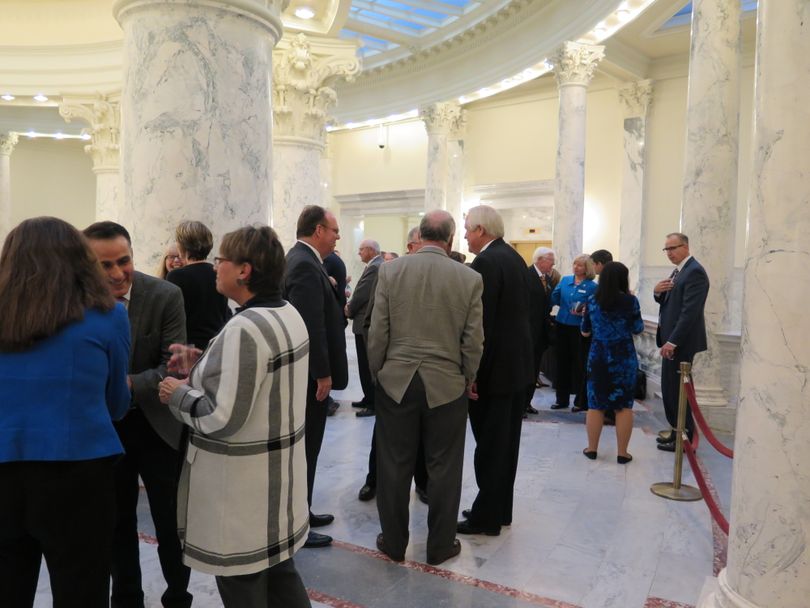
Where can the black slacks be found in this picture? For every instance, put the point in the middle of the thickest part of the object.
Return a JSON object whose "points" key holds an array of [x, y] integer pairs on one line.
{"points": [[670, 390], [66, 512], [314, 428], [365, 373], [399, 429], [572, 359], [420, 474], [496, 422], [156, 463], [277, 587]]}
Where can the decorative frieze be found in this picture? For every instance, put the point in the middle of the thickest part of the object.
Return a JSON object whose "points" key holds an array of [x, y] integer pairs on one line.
{"points": [[7, 143], [102, 114], [635, 98], [446, 119]]}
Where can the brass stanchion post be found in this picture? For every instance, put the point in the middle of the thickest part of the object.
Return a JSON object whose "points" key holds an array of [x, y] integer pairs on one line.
{"points": [[676, 490]]}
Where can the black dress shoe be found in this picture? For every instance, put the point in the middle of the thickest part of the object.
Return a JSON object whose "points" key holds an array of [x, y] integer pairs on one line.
{"points": [[443, 556], [367, 493], [332, 407], [422, 494], [559, 406], [531, 410], [579, 408], [540, 384], [667, 447], [359, 404], [381, 546], [315, 540], [365, 413], [467, 527], [666, 438], [317, 521], [466, 513]]}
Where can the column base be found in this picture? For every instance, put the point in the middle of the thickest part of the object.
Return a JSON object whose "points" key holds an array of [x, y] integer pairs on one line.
{"points": [[717, 593]]}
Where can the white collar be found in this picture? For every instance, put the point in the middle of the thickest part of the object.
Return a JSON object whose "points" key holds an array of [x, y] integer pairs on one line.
{"points": [[683, 263], [315, 251], [484, 248]]}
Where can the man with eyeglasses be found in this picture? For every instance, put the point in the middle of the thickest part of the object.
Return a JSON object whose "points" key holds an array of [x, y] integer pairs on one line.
{"points": [[681, 332], [308, 288]]}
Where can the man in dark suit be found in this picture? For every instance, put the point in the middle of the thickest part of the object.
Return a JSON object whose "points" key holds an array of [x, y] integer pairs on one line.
{"points": [[356, 310], [308, 288], [505, 375], [538, 277], [423, 365], [150, 434], [681, 332]]}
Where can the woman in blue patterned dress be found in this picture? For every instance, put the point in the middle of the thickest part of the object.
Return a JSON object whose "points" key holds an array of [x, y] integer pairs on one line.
{"points": [[612, 317]]}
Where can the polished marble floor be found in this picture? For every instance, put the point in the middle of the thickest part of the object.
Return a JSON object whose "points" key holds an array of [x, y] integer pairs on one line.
{"points": [[586, 533]]}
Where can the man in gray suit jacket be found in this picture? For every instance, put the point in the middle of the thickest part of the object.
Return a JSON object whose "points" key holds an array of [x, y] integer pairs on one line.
{"points": [[150, 434], [356, 309], [681, 332], [425, 344]]}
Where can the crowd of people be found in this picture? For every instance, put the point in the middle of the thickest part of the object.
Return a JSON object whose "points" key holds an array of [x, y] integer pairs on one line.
{"points": [[116, 376]]}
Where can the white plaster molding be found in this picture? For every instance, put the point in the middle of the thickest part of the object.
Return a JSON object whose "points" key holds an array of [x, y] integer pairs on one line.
{"points": [[303, 73], [575, 63], [7, 143], [447, 119], [636, 98], [102, 113], [392, 202], [501, 46]]}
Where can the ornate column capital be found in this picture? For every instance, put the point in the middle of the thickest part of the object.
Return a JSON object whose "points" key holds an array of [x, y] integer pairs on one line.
{"points": [[7, 143], [445, 118], [574, 63], [636, 98], [103, 115], [303, 71]]}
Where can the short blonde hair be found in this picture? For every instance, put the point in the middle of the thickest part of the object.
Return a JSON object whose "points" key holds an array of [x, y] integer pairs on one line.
{"points": [[590, 270], [194, 239], [487, 218]]}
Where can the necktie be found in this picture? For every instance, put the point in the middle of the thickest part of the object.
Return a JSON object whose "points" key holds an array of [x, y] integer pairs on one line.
{"points": [[674, 274], [545, 283]]}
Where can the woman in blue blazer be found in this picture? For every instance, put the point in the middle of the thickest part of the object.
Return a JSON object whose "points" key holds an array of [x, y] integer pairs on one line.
{"points": [[64, 350]]}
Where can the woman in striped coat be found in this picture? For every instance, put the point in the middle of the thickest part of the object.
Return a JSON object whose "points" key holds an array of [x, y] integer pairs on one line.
{"points": [[242, 501]]}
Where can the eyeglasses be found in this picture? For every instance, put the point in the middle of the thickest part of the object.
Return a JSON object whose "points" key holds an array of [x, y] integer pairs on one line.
{"points": [[218, 261], [673, 247], [173, 258]]}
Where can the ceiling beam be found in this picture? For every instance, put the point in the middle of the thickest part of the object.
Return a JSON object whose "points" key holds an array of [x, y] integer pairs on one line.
{"points": [[396, 13], [383, 33], [436, 6]]}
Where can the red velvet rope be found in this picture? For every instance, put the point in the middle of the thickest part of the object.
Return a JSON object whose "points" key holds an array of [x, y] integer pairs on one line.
{"points": [[701, 421], [714, 509]]}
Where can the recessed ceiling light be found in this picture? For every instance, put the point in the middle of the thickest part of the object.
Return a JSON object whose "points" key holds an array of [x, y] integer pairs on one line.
{"points": [[7, 97], [40, 98], [304, 12], [31, 134], [59, 136], [85, 136]]}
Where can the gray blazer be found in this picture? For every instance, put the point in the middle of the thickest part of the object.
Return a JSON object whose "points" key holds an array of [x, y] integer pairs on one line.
{"points": [[427, 317], [358, 305], [157, 319]]}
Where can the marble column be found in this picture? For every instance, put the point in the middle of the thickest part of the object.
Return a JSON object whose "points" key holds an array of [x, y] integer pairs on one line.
{"points": [[7, 143], [303, 71], [195, 116], [574, 66], [103, 116], [444, 179], [769, 539], [635, 99], [710, 179]]}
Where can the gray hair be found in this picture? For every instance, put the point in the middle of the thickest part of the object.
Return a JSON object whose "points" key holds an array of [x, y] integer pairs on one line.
{"points": [[542, 252], [487, 218], [413, 235], [438, 226], [372, 244], [683, 238]]}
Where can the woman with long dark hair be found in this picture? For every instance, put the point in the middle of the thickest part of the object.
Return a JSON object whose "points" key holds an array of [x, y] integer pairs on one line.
{"points": [[64, 351], [612, 317]]}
